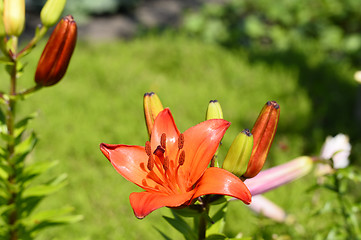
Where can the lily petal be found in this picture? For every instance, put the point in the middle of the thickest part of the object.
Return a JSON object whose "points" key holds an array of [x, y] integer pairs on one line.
{"points": [[219, 181], [144, 203], [164, 123], [200, 144], [129, 161]]}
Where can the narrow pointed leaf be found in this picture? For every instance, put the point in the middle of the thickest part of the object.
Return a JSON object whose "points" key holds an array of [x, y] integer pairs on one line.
{"points": [[163, 234], [181, 227], [45, 189]]}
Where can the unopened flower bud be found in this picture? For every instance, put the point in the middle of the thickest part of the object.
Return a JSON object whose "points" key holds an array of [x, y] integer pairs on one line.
{"points": [[14, 17], [239, 153], [51, 12], [267, 208], [152, 106], [214, 110], [279, 175], [263, 132], [55, 58]]}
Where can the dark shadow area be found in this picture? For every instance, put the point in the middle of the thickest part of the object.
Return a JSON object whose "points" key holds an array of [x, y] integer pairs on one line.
{"points": [[333, 95]]}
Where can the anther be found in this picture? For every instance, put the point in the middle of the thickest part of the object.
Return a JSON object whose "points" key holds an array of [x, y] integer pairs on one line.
{"points": [[148, 150], [182, 158], [163, 140], [180, 141], [166, 163], [150, 164]]}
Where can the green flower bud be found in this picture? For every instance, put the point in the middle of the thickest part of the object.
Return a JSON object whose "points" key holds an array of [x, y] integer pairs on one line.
{"points": [[214, 110], [51, 12], [239, 153], [152, 106]]}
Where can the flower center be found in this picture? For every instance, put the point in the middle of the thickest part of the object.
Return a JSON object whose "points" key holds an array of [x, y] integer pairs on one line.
{"points": [[165, 172]]}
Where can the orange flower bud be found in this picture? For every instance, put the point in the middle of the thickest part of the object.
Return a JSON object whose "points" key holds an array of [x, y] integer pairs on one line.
{"points": [[263, 132], [57, 53]]}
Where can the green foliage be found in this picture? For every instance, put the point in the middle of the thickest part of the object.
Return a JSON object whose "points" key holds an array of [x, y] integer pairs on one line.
{"points": [[344, 209], [181, 226], [19, 194], [331, 26]]}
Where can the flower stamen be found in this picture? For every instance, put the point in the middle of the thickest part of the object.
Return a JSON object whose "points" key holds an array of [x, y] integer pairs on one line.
{"points": [[166, 163], [182, 158], [180, 141], [150, 164], [163, 140], [148, 149]]}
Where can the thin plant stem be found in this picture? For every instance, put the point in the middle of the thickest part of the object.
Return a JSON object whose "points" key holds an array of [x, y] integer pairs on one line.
{"points": [[202, 226], [39, 35], [10, 120], [343, 207]]}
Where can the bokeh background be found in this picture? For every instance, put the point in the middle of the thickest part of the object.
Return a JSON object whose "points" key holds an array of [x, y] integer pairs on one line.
{"points": [[303, 54]]}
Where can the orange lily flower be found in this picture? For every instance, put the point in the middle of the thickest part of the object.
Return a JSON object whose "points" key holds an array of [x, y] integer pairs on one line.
{"points": [[172, 168]]}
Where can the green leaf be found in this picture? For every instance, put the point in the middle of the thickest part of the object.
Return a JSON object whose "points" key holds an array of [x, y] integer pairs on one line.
{"points": [[36, 169], [181, 226], [191, 211], [163, 234], [224, 237], [56, 222], [5, 208], [45, 189], [48, 218], [218, 221], [216, 237], [25, 147], [20, 126], [4, 171], [5, 60], [218, 200], [2, 117]]}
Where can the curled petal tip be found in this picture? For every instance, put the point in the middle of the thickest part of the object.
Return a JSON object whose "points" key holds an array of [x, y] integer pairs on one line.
{"points": [[104, 149]]}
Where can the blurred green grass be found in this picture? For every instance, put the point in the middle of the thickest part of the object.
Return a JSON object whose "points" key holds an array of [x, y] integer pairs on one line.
{"points": [[100, 100]]}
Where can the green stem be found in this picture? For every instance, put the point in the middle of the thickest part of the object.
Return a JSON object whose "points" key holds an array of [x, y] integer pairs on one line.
{"points": [[343, 207], [10, 120], [202, 227], [39, 35], [29, 91]]}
